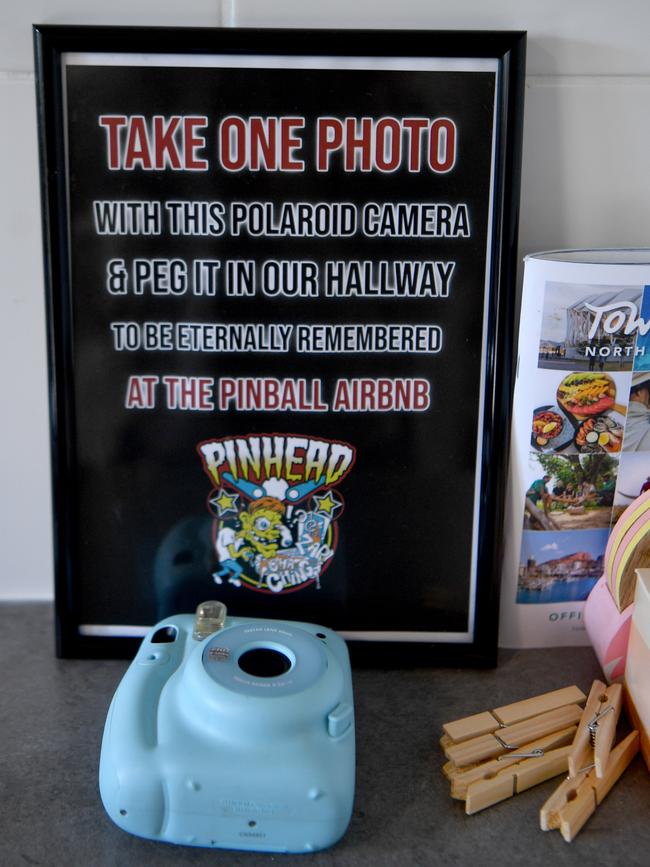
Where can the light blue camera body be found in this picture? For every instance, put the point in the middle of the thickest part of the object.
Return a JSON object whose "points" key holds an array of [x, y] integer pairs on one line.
{"points": [[242, 740]]}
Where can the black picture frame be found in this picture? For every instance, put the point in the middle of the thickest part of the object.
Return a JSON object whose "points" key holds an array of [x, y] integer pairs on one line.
{"points": [[63, 164]]}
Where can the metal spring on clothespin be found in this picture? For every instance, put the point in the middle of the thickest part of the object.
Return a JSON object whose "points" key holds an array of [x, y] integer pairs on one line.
{"points": [[537, 753], [593, 724]]}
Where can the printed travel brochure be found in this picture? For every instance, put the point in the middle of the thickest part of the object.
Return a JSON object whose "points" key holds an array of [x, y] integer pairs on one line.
{"points": [[580, 449]]}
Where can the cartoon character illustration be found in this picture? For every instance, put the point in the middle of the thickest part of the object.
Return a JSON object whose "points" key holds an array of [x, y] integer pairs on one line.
{"points": [[261, 533], [262, 527], [275, 534], [229, 550]]}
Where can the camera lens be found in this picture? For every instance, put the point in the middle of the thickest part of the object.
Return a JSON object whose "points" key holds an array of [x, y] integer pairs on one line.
{"points": [[264, 662]]}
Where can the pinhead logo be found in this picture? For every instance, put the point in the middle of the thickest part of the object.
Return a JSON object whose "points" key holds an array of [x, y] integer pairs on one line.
{"points": [[276, 508]]}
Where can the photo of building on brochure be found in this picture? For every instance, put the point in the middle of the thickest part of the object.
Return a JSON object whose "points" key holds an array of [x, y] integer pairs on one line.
{"points": [[589, 327], [560, 567]]}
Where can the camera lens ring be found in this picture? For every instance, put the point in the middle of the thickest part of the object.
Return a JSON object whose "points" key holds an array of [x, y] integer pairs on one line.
{"points": [[307, 654]]}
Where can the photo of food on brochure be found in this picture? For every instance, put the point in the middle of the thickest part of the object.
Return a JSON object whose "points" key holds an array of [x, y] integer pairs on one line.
{"points": [[580, 413]]}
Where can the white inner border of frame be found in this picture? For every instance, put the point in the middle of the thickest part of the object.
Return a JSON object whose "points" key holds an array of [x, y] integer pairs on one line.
{"points": [[408, 64]]}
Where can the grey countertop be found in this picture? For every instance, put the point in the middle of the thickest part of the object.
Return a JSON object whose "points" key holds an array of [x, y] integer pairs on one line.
{"points": [[52, 714]]}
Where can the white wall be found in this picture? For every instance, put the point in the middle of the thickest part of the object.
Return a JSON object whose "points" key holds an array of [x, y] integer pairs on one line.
{"points": [[586, 178]]}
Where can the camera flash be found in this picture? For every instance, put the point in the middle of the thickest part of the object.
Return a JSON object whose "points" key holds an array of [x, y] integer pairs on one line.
{"points": [[210, 617]]}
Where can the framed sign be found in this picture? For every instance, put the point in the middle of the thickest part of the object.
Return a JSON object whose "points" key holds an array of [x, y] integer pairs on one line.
{"points": [[280, 274]]}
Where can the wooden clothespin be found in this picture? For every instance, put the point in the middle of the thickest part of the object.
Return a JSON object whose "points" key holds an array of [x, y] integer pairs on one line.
{"points": [[490, 782], [596, 729], [511, 781], [576, 799], [462, 778], [489, 721], [496, 754], [511, 737]]}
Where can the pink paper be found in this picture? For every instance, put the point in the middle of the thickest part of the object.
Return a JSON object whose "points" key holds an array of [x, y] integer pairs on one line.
{"points": [[608, 630]]}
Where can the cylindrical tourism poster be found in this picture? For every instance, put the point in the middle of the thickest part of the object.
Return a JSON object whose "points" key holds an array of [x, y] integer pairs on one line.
{"points": [[580, 448]]}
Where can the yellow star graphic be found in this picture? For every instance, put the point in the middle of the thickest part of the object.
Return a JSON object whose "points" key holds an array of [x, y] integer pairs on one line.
{"points": [[327, 503], [225, 502]]}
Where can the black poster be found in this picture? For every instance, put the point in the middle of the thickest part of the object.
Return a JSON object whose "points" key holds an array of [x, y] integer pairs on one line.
{"points": [[280, 312]]}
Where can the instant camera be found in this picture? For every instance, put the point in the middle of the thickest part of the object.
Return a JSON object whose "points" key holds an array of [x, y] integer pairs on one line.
{"points": [[234, 733]]}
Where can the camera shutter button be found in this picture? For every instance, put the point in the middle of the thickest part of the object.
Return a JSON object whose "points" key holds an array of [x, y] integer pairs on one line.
{"points": [[339, 720]]}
